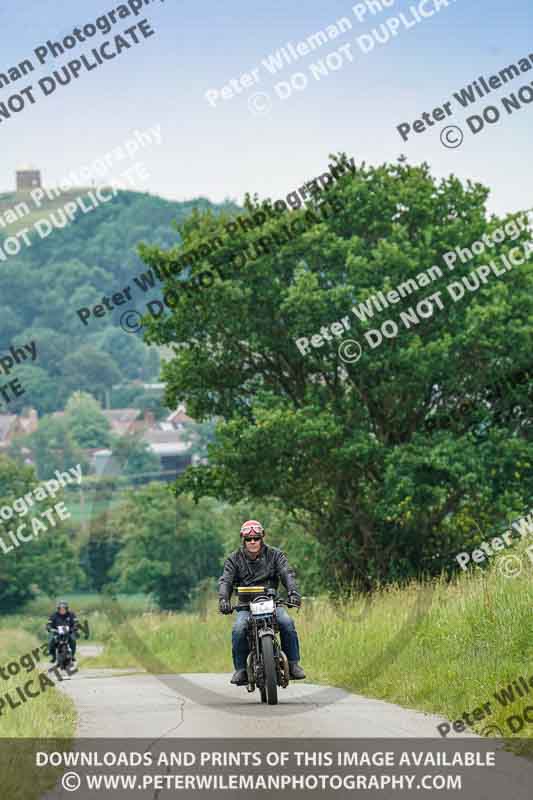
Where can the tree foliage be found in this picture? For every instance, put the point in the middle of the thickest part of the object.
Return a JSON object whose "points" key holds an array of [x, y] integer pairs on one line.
{"points": [[134, 455], [85, 421], [54, 447], [45, 284], [394, 458], [169, 545], [199, 436], [99, 551], [47, 563], [90, 370]]}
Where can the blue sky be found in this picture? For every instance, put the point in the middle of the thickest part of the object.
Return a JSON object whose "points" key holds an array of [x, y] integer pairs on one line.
{"points": [[224, 151]]}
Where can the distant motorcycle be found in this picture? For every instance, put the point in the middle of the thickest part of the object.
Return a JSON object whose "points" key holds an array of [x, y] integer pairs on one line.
{"points": [[63, 650], [267, 665]]}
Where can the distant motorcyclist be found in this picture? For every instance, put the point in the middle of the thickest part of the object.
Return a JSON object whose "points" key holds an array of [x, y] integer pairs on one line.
{"points": [[62, 616], [258, 564]]}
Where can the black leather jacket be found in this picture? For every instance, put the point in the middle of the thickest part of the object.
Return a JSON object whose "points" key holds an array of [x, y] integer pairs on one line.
{"points": [[267, 569], [69, 619]]}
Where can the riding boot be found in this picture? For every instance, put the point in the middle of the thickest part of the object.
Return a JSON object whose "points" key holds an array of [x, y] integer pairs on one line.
{"points": [[240, 677], [295, 671]]}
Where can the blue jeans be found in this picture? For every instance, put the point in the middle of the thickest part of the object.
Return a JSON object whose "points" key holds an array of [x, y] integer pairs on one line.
{"points": [[239, 640]]}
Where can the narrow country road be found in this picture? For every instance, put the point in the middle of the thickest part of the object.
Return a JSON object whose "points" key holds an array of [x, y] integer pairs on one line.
{"points": [[130, 704], [118, 703]]}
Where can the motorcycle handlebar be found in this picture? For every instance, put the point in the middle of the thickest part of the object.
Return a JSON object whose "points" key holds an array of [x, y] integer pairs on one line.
{"points": [[244, 607], [74, 629]]}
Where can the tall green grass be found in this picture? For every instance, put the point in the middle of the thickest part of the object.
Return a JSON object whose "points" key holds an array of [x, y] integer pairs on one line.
{"points": [[50, 715], [439, 647]]}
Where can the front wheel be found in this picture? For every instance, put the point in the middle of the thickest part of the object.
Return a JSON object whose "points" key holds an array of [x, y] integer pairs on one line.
{"points": [[62, 658], [269, 667]]}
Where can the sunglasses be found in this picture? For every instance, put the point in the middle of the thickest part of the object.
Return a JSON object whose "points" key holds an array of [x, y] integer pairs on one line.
{"points": [[252, 538]]}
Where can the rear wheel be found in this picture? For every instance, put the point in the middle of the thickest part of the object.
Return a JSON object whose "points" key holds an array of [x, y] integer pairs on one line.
{"points": [[269, 666], [263, 695]]}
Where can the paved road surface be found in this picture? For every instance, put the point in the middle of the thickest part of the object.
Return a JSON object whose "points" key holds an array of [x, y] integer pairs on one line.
{"points": [[123, 704], [116, 704]]}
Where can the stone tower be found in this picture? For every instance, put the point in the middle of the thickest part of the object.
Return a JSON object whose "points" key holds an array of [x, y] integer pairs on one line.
{"points": [[28, 179]]}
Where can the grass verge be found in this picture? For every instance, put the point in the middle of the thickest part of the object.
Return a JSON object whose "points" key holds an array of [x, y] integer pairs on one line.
{"points": [[470, 638], [33, 722]]}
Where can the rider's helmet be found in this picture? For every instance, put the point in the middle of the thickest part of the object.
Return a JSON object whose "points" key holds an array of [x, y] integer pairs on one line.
{"points": [[62, 604], [252, 528]]}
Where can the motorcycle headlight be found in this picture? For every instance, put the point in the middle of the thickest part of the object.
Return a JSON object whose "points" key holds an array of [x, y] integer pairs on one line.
{"points": [[262, 607]]}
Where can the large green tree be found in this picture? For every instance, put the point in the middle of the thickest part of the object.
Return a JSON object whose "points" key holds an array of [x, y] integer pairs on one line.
{"points": [[85, 422], [53, 447], [392, 460], [41, 390], [130, 353], [99, 551], [90, 370], [47, 563], [169, 545]]}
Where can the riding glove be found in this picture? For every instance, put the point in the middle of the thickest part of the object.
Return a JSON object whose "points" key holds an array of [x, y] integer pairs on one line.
{"points": [[224, 606], [295, 599]]}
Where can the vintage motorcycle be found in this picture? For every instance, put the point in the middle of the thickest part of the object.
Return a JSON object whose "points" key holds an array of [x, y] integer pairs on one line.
{"points": [[63, 650], [267, 666]]}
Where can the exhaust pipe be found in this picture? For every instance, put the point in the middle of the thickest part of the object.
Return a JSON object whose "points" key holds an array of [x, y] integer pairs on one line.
{"points": [[284, 669], [250, 674]]}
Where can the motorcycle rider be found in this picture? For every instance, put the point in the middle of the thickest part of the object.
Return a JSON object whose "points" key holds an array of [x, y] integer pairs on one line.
{"points": [[62, 616], [258, 564]]}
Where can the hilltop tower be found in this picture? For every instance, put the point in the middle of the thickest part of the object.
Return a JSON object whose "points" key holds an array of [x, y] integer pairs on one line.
{"points": [[28, 178]]}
